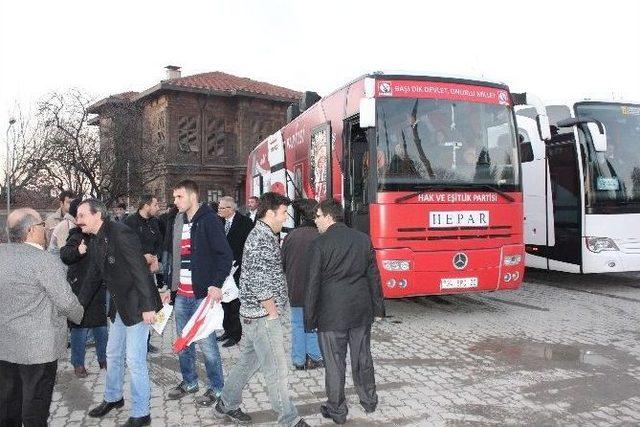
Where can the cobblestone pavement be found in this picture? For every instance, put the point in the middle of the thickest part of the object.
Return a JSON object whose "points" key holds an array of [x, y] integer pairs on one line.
{"points": [[562, 350]]}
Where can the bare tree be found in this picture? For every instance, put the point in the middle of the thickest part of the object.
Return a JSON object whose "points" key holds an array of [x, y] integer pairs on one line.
{"points": [[27, 155], [57, 148], [73, 150]]}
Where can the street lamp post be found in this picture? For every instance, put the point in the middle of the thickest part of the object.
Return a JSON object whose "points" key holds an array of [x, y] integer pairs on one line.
{"points": [[8, 176]]}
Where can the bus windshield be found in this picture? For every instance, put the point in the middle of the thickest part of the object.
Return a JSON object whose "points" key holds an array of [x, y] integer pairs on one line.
{"points": [[434, 141], [613, 177]]}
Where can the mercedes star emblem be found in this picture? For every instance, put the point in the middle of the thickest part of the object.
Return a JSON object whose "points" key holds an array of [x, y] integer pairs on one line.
{"points": [[460, 261]]}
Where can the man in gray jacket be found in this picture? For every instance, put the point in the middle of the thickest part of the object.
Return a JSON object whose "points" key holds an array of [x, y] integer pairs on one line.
{"points": [[35, 303]]}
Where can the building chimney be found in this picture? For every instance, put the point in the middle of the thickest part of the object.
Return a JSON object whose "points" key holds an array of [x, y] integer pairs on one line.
{"points": [[173, 72]]}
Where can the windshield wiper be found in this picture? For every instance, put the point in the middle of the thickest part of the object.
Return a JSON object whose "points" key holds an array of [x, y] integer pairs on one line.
{"points": [[453, 185]]}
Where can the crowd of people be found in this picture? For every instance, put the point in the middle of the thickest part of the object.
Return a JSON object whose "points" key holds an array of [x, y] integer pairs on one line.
{"points": [[107, 275]]}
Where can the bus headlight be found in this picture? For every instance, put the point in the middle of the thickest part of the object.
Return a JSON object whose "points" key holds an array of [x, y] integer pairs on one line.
{"points": [[396, 264], [512, 259], [601, 244]]}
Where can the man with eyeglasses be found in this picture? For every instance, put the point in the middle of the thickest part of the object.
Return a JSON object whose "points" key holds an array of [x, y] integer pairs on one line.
{"points": [[35, 302], [237, 228]]}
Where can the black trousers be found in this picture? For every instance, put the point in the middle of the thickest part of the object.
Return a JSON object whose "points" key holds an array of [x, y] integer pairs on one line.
{"points": [[231, 321], [25, 393], [333, 345]]}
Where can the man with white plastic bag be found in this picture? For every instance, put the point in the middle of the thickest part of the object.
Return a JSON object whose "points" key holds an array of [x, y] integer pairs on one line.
{"points": [[205, 261]]}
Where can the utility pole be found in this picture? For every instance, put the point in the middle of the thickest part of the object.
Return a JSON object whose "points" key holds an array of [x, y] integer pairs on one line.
{"points": [[7, 174]]}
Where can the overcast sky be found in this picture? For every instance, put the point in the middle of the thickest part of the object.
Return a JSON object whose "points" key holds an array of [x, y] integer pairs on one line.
{"points": [[556, 49]]}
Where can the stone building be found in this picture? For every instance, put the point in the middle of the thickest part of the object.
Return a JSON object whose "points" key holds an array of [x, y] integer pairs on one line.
{"points": [[200, 127]]}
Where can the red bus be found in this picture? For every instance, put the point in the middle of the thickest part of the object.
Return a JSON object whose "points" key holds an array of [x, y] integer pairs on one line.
{"points": [[428, 166]]}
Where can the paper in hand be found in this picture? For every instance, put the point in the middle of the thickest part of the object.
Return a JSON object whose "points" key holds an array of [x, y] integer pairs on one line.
{"points": [[162, 317]]}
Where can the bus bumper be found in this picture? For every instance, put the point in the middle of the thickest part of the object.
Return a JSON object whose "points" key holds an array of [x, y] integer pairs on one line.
{"points": [[405, 273]]}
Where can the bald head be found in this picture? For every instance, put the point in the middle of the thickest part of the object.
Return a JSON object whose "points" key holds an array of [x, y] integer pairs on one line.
{"points": [[25, 225]]}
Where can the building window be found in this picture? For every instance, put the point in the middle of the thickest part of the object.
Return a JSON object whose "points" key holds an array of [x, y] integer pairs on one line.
{"points": [[188, 134]]}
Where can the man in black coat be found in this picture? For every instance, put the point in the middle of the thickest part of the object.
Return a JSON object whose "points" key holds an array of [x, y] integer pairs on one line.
{"points": [[147, 227], [74, 254], [344, 296], [117, 259], [237, 227]]}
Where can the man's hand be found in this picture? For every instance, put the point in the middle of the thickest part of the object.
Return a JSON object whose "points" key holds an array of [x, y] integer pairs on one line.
{"points": [[165, 297], [150, 258], [149, 317], [154, 267], [82, 248], [377, 319], [216, 294]]}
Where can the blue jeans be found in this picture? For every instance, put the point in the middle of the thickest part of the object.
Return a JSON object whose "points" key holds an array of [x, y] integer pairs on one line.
{"points": [[185, 308], [128, 342], [262, 349], [79, 344], [302, 343]]}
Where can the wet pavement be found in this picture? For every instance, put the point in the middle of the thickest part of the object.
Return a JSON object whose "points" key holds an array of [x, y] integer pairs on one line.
{"points": [[562, 350]]}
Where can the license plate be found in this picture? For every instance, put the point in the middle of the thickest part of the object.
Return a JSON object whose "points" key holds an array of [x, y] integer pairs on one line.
{"points": [[459, 283]]}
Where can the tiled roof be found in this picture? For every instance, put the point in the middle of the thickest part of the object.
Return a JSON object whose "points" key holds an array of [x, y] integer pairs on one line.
{"points": [[214, 83], [222, 82], [120, 98], [125, 96]]}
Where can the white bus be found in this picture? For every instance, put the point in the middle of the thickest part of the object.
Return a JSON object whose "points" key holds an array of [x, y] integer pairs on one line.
{"points": [[582, 187]]}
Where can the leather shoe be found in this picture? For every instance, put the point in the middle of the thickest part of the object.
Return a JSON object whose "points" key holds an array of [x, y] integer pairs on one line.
{"points": [[325, 413], [230, 342], [223, 337], [140, 421], [105, 407]]}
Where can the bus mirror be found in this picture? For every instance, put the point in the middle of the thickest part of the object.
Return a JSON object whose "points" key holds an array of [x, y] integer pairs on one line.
{"points": [[367, 112], [598, 136], [595, 127], [544, 129]]}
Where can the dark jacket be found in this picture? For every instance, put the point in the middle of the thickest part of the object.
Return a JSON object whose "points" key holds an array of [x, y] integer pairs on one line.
{"points": [[148, 230], [237, 235], [344, 289], [211, 255], [117, 258], [95, 314], [296, 260]]}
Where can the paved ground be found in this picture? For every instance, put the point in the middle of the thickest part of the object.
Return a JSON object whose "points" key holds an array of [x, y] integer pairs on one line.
{"points": [[562, 350]]}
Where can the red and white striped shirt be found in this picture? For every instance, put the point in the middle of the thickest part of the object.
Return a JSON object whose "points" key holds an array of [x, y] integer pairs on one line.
{"points": [[185, 286]]}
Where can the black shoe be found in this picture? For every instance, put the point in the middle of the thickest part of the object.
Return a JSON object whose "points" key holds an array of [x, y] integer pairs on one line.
{"points": [[230, 342], [236, 415], [152, 349], [181, 390], [301, 423], [104, 408], [140, 421], [223, 337], [300, 367], [369, 409], [209, 398], [325, 413]]}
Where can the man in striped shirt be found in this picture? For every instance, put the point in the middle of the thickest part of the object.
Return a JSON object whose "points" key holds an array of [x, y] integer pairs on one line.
{"points": [[205, 262]]}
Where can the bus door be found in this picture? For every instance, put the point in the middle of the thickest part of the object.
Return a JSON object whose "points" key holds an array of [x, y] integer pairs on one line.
{"points": [[564, 174], [356, 173], [538, 213]]}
